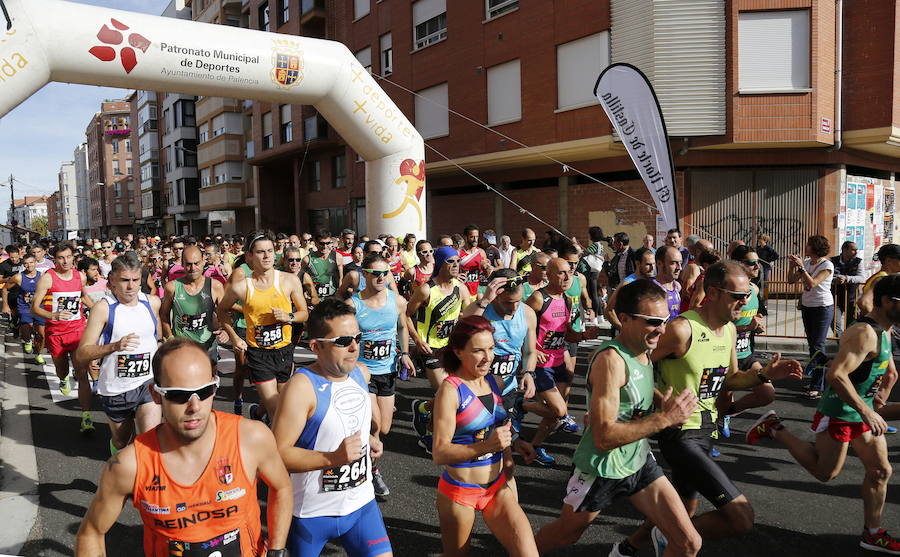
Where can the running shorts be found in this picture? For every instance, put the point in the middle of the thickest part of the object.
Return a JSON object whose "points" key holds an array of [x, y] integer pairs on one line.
{"points": [[28, 318], [746, 363], [694, 472], [429, 361], [840, 430], [362, 533], [546, 378], [586, 492], [267, 364], [123, 406], [476, 496], [61, 344], [383, 384]]}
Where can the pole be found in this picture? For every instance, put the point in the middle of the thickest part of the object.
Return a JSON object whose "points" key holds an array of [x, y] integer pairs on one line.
{"points": [[12, 208]]}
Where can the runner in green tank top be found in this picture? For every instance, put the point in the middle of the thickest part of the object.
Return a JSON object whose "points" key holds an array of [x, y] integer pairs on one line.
{"points": [[613, 458], [322, 266], [189, 304], [852, 412], [537, 277], [697, 353]]}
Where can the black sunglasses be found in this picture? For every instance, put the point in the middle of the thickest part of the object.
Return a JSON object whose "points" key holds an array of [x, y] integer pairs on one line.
{"points": [[377, 272], [344, 341], [182, 396], [294, 260]]}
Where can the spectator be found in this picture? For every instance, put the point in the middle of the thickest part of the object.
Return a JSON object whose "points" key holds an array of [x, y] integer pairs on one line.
{"points": [[648, 241], [815, 273], [848, 275], [673, 238], [730, 249], [595, 258], [489, 244], [506, 251], [622, 263]]}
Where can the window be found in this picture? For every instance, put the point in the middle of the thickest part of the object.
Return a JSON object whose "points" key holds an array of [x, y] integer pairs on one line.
{"points": [[118, 190], [315, 176], [185, 153], [432, 119], [360, 8], [118, 210], [131, 209], [314, 127], [504, 93], [287, 130], [499, 7], [387, 55], [578, 63], [773, 51], [267, 130], [184, 113], [339, 170], [429, 22], [205, 179], [115, 146], [166, 119], [127, 145], [264, 16], [128, 167], [218, 125], [151, 111], [117, 167], [284, 11], [364, 57], [204, 135]]}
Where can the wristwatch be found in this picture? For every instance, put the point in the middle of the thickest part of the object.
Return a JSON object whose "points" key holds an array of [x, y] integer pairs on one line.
{"points": [[276, 553], [478, 303], [762, 378]]}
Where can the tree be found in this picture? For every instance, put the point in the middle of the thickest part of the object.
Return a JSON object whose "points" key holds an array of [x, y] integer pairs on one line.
{"points": [[40, 225]]}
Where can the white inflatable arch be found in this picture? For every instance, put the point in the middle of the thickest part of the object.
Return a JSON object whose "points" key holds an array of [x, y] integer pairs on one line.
{"points": [[52, 40]]}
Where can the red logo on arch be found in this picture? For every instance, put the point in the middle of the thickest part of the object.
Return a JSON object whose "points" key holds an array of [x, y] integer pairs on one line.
{"points": [[114, 36]]}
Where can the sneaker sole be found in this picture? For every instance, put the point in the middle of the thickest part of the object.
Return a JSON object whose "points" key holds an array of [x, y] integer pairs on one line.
{"points": [[871, 547], [762, 418], [412, 407], [424, 446], [657, 543]]}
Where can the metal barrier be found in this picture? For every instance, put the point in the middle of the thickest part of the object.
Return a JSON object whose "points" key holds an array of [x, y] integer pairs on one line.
{"points": [[784, 319]]}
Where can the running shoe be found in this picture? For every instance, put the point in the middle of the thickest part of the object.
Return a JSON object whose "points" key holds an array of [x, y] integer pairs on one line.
{"points": [[254, 414], [239, 406], [420, 417], [714, 453], [381, 488], [659, 541], [39, 359], [518, 414], [891, 429], [725, 428], [618, 550], [425, 442], [95, 384], [880, 541], [765, 426], [87, 423], [64, 386], [542, 458], [28, 347], [570, 424]]}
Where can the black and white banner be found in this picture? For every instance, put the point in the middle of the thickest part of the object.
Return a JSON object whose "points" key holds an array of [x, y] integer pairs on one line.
{"points": [[627, 97]]}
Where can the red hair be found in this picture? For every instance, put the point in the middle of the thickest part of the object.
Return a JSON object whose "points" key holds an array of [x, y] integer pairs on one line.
{"points": [[465, 328]]}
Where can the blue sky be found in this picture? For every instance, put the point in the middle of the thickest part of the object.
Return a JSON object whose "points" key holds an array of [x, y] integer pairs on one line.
{"points": [[44, 130]]}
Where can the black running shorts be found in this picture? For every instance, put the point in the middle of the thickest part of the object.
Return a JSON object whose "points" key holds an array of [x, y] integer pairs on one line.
{"points": [[267, 364], [693, 469], [586, 492]]}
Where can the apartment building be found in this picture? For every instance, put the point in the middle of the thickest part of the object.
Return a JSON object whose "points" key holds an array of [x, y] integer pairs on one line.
{"points": [[67, 200], [765, 139], [227, 193], [82, 190], [54, 222], [151, 178], [113, 195]]}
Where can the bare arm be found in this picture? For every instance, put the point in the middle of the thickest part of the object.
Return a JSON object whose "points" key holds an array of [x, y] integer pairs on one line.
{"points": [[419, 297], [610, 311], [260, 443], [165, 309], [40, 291], [858, 343], [88, 349], [233, 292], [116, 483]]}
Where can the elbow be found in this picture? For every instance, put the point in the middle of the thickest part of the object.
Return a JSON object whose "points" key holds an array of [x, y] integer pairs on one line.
{"points": [[602, 440]]}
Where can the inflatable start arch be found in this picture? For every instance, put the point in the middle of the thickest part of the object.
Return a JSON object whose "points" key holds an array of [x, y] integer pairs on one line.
{"points": [[52, 40]]}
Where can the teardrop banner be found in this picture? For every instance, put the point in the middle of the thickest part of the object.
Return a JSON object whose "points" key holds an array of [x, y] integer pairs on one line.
{"points": [[630, 103]]}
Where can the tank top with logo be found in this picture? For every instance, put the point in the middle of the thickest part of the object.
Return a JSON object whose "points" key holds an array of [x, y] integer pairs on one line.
{"points": [[263, 331], [509, 335], [744, 344], [635, 402], [121, 372], [216, 516], [26, 292], [342, 408], [673, 298], [577, 313], [553, 321], [324, 274], [378, 349], [476, 418], [703, 368], [436, 317], [64, 295], [470, 269], [192, 315]]}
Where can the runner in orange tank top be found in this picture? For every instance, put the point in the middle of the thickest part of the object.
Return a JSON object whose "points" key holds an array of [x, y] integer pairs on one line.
{"points": [[193, 478]]}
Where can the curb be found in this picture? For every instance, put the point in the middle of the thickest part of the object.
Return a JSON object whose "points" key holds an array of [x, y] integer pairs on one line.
{"points": [[18, 461]]}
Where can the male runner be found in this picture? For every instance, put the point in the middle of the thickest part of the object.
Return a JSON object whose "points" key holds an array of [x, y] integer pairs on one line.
{"points": [[189, 306], [105, 258], [691, 271], [355, 280], [553, 374], [473, 261], [524, 254], [845, 416], [537, 276], [123, 332], [644, 260], [613, 458], [322, 266], [10, 267], [697, 353], [64, 288], [266, 296], [889, 257], [668, 268], [31, 328], [381, 315], [193, 478], [433, 310], [326, 431]]}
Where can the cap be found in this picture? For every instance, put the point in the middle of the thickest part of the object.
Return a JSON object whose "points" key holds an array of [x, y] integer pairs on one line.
{"points": [[888, 251], [491, 239]]}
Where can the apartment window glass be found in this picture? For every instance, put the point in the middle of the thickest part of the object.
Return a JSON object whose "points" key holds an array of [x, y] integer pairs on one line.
{"points": [[127, 145], [496, 8], [267, 130], [360, 8], [151, 111], [184, 113], [339, 170], [166, 120], [314, 128], [264, 17], [387, 54], [504, 93], [284, 11], [578, 63], [287, 130], [432, 119], [773, 51], [315, 176], [186, 153], [115, 146], [205, 174], [218, 125], [429, 22], [365, 58]]}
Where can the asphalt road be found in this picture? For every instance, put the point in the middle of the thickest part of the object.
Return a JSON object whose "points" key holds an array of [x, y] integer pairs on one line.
{"points": [[795, 514]]}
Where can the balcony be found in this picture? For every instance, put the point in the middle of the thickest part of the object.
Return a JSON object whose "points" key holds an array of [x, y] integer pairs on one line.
{"points": [[149, 155], [228, 148], [149, 126], [311, 10], [213, 105], [227, 195]]}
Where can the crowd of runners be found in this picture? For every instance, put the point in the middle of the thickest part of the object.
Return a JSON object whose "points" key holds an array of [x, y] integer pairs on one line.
{"points": [[495, 326]]}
